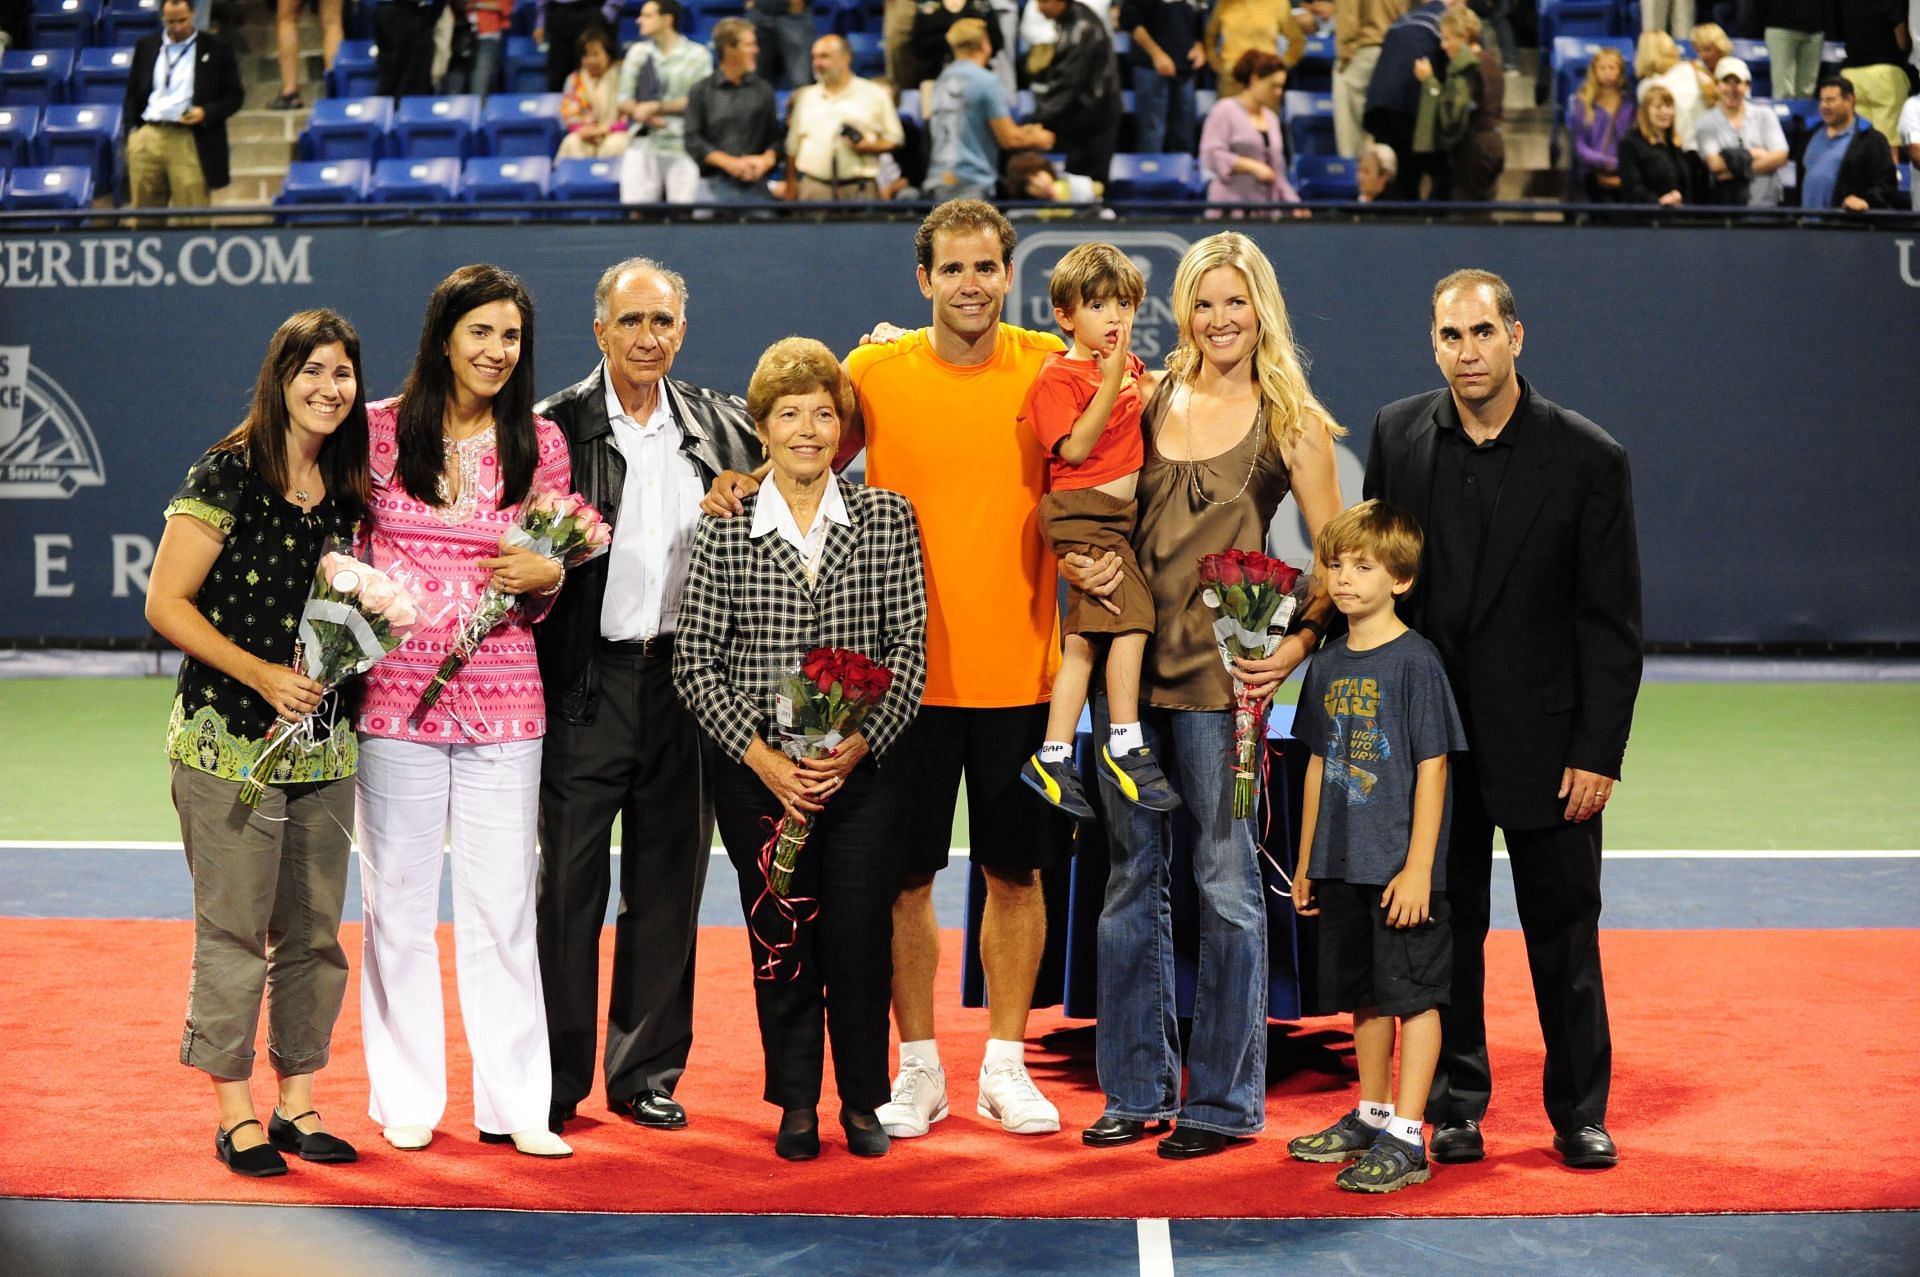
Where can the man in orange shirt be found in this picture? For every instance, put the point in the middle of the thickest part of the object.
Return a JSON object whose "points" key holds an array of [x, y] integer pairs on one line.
{"points": [[992, 644]]}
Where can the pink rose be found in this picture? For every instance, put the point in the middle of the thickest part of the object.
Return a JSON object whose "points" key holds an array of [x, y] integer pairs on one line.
{"points": [[379, 593]]}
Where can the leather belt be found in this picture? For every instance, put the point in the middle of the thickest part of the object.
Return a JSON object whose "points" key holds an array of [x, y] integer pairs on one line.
{"points": [[657, 648]]}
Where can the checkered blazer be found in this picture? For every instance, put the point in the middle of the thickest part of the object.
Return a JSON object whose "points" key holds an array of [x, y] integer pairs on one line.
{"points": [[748, 612]]}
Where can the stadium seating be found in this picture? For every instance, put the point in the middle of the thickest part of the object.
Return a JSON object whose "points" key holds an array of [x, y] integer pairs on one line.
{"points": [[355, 73], [1759, 63], [58, 187], [435, 181], [123, 22], [323, 182], [81, 136], [1152, 177], [584, 181], [522, 124], [424, 127], [1309, 118], [1326, 177], [869, 56], [63, 24], [348, 129], [19, 134], [34, 77], [492, 179], [523, 64], [1314, 72], [100, 75]]}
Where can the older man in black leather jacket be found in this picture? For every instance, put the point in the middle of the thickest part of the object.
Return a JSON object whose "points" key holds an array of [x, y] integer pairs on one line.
{"points": [[1080, 97], [644, 448]]}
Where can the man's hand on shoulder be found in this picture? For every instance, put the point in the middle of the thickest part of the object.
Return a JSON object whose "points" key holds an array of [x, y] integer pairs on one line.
{"points": [[730, 488], [883, 333]]}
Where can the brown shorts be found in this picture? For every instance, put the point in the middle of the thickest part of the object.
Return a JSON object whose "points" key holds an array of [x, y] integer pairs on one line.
{"points": [[1088, 521]]}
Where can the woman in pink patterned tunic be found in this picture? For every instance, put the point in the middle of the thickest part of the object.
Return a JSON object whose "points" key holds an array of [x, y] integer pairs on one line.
{"points": [[453, 458]]}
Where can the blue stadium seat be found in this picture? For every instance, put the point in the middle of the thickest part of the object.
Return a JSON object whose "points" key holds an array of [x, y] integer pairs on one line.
{"points": [[323, 182], [63, 24], [582, 181], [1326, 177], [628, 31], [435, 181], [523, 64], [428, 126], [1314, 72], [910, 104], [1759, 62], [100, 75], [869, 55], [81, 135], [522, 124], [347, 129], [1151, 177], [63, 187], [1579, 18], [355, 73], [19, 134], [123, 22], [34, 77], [493, 179], [1309, 118], [713, 10]]}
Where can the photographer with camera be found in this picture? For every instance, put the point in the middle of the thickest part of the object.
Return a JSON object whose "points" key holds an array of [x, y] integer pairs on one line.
{"points": [[837, 129]]}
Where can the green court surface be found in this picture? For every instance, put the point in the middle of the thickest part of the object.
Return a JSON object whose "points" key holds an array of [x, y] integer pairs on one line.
{"points": [[1712, 766]]}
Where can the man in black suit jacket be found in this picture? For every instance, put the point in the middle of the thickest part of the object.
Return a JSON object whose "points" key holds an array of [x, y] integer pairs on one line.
{"points": [[181, 89], [1530, 588], [644, 449]]}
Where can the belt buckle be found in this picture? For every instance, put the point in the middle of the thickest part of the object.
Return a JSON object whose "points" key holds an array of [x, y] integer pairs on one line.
{"points": [[652, 646]]}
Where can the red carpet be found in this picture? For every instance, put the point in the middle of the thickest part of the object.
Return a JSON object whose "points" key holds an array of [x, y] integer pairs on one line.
{"points": [[1739, 1057]]}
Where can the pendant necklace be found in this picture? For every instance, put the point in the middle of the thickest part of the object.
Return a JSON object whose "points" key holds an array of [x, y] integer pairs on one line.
{"points": [[1193, 462]]}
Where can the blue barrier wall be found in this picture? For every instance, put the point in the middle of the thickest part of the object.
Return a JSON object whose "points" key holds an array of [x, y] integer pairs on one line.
{"points": [[1765, 382]]}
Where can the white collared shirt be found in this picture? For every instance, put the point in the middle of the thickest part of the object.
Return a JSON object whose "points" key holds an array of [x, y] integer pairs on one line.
{"points": [[653, 533], [771, 513], [172, 79]]}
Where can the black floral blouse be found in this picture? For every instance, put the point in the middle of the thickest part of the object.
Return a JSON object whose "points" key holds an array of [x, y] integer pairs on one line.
{"points": [[253, 595]]}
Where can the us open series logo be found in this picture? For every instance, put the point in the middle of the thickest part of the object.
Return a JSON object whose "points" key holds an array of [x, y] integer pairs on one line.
{"points": [[46, 447]]}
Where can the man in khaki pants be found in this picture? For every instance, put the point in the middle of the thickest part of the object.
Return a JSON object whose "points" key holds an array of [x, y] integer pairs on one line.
{"points": [[1358, 28], [180, 90]]}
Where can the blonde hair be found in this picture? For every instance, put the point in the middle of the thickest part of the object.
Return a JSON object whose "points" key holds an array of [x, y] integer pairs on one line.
{"points": [[1278, 367], [967, 35], [1095, 271], [1709, 35], [1655, 54], [1590, 87], [1643, 118], [1386, 535], [797, 366], [1461, 21]]}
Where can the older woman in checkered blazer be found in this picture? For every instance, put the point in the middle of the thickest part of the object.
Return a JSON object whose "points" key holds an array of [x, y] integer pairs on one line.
{"points": [[814, 561]]}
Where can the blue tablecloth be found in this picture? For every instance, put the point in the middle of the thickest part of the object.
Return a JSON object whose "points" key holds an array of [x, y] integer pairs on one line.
{"points": [[1069, 971]]}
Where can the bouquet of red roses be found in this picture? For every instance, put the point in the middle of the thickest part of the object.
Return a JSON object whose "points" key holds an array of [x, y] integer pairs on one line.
{"points": [[354, 615], [820, 702], [562, 528], [1253, 598]]}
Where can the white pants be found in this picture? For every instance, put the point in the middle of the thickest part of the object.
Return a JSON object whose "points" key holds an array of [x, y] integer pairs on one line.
{"points": [[1672, 16], [647, 177], [1350, 102], [481, 801]]}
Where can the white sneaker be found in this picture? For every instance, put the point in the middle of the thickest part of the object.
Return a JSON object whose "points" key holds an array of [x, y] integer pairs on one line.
{"points": [[539, 1142], [1008, 1095], [408, 1139], [919, 1099]]}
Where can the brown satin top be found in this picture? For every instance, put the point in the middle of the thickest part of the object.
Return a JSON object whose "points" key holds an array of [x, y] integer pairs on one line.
{"points": [[1182, 669]]}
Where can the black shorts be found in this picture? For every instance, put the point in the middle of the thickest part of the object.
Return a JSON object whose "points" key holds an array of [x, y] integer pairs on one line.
{"points": [[1009, 827], [1399, 971]]}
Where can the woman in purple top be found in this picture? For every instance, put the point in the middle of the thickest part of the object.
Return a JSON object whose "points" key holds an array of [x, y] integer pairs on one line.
{"points": [[1600, 115], [1240, 145]]}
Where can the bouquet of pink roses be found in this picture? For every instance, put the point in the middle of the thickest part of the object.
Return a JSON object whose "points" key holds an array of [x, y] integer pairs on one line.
{"points": [[1253, 598], [563, 528], [354, 615]]}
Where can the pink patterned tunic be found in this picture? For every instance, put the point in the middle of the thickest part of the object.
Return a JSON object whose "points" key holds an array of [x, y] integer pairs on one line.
{"points": [[435, 552]]}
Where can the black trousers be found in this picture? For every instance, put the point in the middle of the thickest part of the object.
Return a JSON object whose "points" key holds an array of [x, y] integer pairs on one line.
{"points": [[404, 33], [638, 760], [1089, 152], [851, 865], [1556, 885], [565, 22]]}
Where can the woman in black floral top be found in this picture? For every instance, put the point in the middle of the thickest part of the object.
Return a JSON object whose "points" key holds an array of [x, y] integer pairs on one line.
{"points": [[243, 538]]}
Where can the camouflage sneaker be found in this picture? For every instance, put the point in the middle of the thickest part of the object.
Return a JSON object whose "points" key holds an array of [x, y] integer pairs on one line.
{"points": [[1387, 1166], [1345, 1140]]}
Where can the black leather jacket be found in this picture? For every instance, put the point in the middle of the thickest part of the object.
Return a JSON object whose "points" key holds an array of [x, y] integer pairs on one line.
{"points": [[716, 434], [1081, 91]]}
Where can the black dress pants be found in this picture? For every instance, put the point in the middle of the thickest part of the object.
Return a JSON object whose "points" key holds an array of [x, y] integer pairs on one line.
{"points": [[1556, 885], [851, 866], [404, 34], [638, 760], [565, 22]]}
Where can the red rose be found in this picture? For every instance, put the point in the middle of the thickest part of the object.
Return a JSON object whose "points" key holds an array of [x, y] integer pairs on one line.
{"points": [[1255, 566], [816, 662], [1209, 569], [1285, 575], [1230, 569]]}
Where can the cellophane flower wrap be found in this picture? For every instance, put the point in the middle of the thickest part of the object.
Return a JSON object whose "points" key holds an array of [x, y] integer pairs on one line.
{"points": [[353, 616], [821, 700], [561, 527], [1253, 598]]}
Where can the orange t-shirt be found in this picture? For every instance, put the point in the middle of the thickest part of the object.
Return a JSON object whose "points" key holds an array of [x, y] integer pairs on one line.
{"points": [[1060, 394], [949, 439]]}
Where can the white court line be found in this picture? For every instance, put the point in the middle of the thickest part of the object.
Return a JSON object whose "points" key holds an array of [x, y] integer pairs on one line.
{"points": [[1156, 1248], [960, 853]]}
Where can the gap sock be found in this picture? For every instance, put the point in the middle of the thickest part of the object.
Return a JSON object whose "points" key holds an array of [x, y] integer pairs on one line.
{"points": [[1122, 737], [1056, 751], [1407, 1131], [1376, 1115]]}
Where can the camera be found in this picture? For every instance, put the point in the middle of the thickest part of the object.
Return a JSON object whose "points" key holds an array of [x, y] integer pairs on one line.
{"points": [[852, 133]]}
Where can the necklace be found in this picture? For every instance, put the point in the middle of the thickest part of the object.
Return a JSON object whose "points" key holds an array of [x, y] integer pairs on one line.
{"points": [[1193, 462]]}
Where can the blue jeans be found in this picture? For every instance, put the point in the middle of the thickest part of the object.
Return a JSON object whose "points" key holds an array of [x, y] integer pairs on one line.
{"points": [[1162, 113], [1137, 1043]]}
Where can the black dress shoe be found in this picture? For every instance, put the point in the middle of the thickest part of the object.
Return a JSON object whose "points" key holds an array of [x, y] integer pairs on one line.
{"points": [[1112, 1132], [652, 1108], [1455, 1142], [558, 1115], [1588, 1149], [865, 1138], [1189, 1141], [259, 1162], [798, 1139], [317, 1147]]}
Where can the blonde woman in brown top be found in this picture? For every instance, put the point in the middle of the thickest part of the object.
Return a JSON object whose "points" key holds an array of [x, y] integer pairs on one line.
{"points": [[1230, 429]]}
